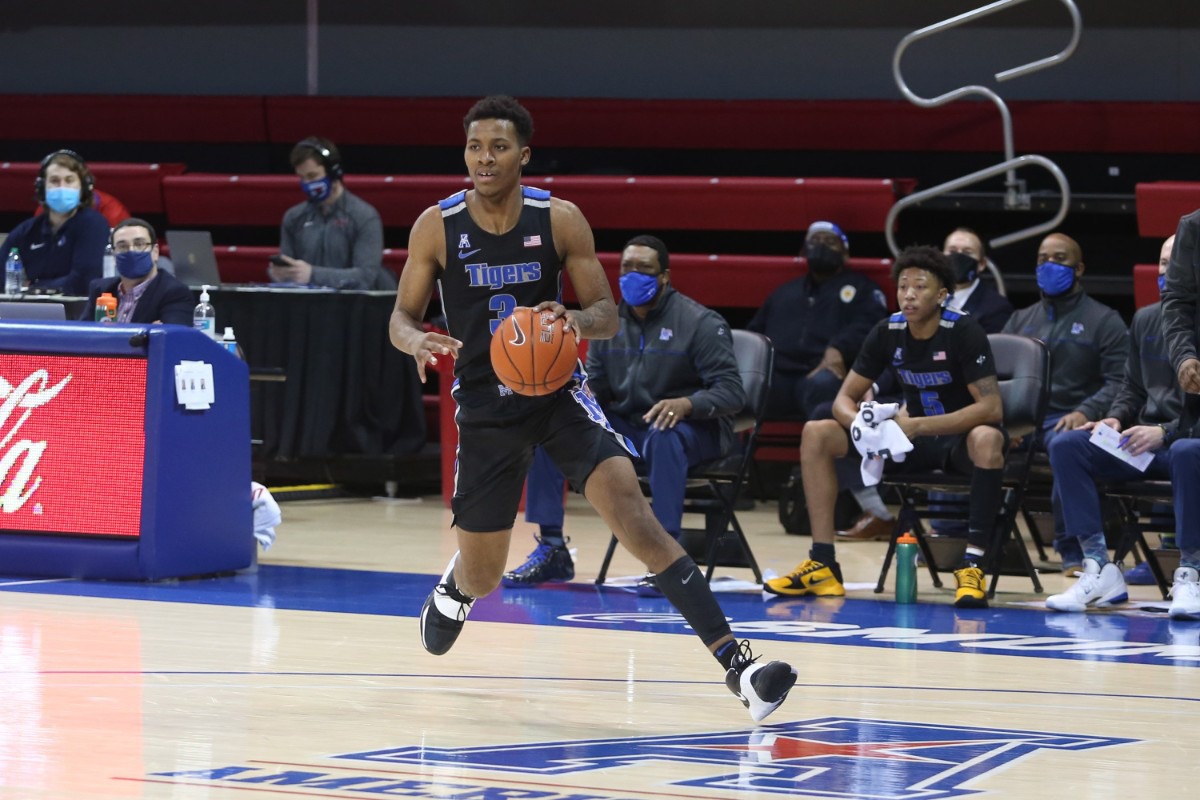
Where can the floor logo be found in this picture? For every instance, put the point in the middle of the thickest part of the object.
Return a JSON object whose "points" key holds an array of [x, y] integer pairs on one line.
{"points": [[824, 757]]}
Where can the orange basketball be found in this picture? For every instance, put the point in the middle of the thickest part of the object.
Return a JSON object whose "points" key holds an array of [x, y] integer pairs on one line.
{"points": [[532, 353]]}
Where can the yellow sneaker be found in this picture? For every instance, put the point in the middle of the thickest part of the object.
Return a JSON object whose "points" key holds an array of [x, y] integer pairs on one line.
{"points": [[810, 578], [971, 591]]}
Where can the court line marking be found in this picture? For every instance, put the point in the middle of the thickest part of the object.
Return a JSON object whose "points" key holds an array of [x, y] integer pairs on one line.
{"points": [[4, 583]]}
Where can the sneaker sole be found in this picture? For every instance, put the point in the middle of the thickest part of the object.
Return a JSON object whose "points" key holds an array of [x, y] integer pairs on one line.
{"points": [[971, 602], [761, 709], [832, 591], [513, 583]]}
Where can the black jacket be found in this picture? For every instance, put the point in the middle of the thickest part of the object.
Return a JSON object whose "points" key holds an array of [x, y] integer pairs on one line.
{"points": [[165, 300], [1181, 323], [1150, 394], [988, 307]]}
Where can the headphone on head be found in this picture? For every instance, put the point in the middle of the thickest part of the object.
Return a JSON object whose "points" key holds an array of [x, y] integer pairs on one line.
{"points": [[88, 183], [333, 167]]}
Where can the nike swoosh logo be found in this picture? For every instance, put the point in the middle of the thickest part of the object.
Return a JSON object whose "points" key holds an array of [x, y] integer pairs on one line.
{"points": [[37, 246], [469, 253], [518, 333], [689, 577], [811, 581]]}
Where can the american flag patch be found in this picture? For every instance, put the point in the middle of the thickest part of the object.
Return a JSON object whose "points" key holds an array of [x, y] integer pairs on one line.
{"points": [[533, 241], [940, 355]]}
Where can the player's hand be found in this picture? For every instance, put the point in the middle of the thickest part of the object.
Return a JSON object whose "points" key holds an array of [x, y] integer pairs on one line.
{"points": [[1071, 421], [430, 346], [910, 425], [559, 310], [1189, 376], [1142, 438], [667, 413]]}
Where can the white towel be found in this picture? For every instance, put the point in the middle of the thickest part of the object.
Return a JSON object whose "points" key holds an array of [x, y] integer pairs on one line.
{"points": [[877, 436], [266, 515]]}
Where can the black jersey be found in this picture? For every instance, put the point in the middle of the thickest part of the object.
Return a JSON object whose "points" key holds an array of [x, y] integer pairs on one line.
{"points": [[487, 275], [935, 372]]}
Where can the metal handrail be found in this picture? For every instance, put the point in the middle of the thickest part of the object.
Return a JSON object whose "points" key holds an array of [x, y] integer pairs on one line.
{"points": [[1015, 196], [982, 175]]}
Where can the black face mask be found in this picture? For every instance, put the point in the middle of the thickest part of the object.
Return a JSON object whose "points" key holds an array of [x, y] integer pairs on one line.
{"points": [[823, 260], [966, 268]]}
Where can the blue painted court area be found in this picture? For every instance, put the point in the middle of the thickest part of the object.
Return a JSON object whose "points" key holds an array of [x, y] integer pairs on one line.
{"points": [[1142, 637]]}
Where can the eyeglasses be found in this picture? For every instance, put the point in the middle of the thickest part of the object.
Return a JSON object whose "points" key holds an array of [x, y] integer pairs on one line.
{"points": [[137, 246]]}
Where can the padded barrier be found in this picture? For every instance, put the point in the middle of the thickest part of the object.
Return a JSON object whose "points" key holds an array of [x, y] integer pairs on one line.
{"points": [[609, 202]]}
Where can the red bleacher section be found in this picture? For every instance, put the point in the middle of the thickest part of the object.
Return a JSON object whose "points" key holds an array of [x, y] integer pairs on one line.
{"points": [[138, 186], [1160, 205], [1046, 126]]}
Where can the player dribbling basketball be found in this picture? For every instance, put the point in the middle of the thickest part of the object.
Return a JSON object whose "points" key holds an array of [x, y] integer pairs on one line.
{"points": [[491, 249]]}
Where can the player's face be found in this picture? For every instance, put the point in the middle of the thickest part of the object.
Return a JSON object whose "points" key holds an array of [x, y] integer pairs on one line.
{"points": [[919, 294], [494, 156], [1164, 255]]}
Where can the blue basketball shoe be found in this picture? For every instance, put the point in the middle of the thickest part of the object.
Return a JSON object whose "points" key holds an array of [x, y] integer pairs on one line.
{"points": [[548, 563]]}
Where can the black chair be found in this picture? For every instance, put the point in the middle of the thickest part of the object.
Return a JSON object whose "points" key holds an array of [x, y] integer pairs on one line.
{"points": [[1023, 372], [714, 487], [1141, 511]]}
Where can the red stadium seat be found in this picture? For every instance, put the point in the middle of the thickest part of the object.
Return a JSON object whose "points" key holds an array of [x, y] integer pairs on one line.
{"points": [[138, 186], [1162, 203]]}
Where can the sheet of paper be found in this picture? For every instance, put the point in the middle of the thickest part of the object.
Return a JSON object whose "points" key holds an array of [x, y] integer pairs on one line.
{"points": [[1109, 440], [194, 385]]}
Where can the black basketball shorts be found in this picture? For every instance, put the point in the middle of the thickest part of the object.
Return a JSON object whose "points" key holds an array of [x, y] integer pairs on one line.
{"points": [[496, 436]]}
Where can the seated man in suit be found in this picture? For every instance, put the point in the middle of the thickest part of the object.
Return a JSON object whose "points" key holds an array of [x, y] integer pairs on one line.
{"points": [[144, 293]]}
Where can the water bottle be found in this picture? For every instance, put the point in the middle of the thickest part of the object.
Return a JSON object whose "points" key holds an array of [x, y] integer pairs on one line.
{"points": [[110, 262], [906, 568], [204, 318], [229, 342], [106, 308], [14, 273]]}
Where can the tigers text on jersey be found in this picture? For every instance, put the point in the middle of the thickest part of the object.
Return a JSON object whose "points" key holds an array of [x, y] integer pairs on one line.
{"points": [[487, 275], [934, 372]]}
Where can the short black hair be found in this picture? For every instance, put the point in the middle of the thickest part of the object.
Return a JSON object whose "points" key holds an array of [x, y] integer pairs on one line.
{"points": [[982, 243], [134, 222], [501, 106], [310, 147], [930, 259], [655, 244]]}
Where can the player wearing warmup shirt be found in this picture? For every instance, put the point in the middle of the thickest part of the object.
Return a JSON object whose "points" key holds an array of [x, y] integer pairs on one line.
{"points": [[952, 415], [491, 249]]}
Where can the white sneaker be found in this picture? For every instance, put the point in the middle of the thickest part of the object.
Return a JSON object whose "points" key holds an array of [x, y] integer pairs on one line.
{"points": [[1096, 588], [1185, 595]]}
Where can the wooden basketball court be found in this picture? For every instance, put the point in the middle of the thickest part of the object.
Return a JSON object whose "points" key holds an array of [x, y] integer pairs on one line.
{"points": [[307, 679]]}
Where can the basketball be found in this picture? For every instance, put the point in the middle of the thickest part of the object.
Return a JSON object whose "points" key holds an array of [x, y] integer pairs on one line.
{"points": [[532, 353]]}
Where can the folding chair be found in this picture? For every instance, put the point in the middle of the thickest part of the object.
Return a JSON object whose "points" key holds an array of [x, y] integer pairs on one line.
{"points": [[1138, 500], [1023, 372], [721, 481]]}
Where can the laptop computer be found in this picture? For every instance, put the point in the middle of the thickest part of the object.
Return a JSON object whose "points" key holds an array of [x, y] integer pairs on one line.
{"points": [[193, 257], [33, 310]]}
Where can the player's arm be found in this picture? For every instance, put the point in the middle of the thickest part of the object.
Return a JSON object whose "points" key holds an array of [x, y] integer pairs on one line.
{"points": [[986, 410], [845, 405], [597, 315], [426, 254]]}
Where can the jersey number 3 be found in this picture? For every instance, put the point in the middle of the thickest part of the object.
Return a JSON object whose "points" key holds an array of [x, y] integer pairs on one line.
{"points": [[503, 305]]}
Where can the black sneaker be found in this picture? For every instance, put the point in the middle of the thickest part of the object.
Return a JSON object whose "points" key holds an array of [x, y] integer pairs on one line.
{"points": [[548, 563], [648, 586], [444, 613], [762, 688]]}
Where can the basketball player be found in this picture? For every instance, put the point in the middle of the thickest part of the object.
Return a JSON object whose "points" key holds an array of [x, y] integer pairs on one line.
{"points": [[491, 249], [952, 416]]}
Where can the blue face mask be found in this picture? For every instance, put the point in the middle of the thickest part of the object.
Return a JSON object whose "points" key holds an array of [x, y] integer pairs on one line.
{"points": [[1055, 279], [62, 199], [133, 265], [1162, 284], [637, 288], [317, 190]]}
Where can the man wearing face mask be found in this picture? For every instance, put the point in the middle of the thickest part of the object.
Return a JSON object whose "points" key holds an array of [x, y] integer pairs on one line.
{"points": [[668, 381], [973, 295], [334, 238], [63, 249], [144, 293], [817, 322], [1089, 343]]}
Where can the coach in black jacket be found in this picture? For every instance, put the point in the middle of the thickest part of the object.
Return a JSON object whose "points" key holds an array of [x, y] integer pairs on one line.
{"points": [[144, 293], [1181, 323]]}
